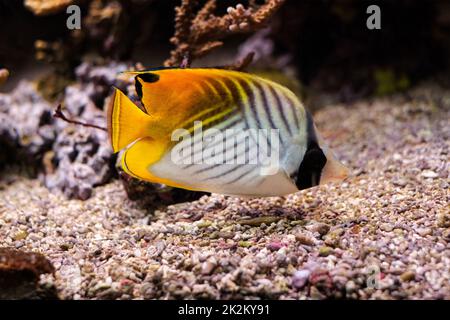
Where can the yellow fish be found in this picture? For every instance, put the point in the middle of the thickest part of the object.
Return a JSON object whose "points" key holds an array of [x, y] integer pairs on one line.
{"points": [[219, 131]]}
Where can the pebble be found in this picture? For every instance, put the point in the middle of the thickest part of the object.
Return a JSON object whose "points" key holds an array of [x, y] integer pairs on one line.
{"points": [[350, 286], [423, 232], [20, 235], [208, 266], [407, 276], [325, 251], [321, 228], [274, 246], [429, 174], [300, 278], [304, 239], [387, 227]]}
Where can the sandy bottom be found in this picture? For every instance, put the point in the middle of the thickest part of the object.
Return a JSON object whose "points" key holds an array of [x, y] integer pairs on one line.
{"points": [[383, 234]]}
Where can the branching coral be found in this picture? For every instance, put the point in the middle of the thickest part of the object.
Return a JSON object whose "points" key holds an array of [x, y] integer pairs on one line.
{"points": [[199, 32]]}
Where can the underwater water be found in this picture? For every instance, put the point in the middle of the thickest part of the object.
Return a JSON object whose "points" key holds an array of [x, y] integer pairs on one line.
{"points": [[76, 224]]}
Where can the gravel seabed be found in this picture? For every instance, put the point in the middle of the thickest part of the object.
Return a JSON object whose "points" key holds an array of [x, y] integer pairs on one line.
{"points": [[383, 234]]}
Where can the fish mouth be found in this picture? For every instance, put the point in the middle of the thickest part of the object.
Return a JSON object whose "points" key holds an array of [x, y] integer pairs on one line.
{"points": [[334, 171]]}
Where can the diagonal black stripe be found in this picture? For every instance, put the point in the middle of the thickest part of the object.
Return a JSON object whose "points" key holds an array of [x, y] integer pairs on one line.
{"points": [[265, 102], [231, 170], [240, 176], [234, 122], [220, 88], [251, 101], [252, 106], [254, 109], [267, 108], [280, 108], [235, 156], [293, 106]]}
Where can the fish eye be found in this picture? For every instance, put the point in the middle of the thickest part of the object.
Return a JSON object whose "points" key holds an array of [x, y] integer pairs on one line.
{"points": [[310, 169]]}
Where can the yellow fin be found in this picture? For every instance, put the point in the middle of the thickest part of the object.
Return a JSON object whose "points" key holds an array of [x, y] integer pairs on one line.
{"points": [[126, 122]]}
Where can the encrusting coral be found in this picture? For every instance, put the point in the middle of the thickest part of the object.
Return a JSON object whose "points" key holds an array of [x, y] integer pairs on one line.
{"points": [[75, 159], [199, 32]]}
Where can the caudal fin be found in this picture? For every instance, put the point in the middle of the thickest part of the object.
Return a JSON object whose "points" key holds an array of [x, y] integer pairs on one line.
{"points": [[126, 122]]}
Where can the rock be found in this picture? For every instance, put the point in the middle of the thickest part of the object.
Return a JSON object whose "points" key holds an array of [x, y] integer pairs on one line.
{"points": [[316, 294], [152, 195], [27, 128], [75, 158], [82, 155], [20, 272], [300, 278], [84, 161]]}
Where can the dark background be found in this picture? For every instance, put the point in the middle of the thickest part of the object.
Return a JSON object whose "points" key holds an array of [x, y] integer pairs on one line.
{"points": [[327, 42]]}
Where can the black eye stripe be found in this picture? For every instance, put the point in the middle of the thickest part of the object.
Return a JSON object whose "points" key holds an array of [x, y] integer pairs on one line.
{"points": [[310, 169]]}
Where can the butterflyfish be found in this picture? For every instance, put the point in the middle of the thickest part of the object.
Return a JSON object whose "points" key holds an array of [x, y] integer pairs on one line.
{"points": [[219, 131]]}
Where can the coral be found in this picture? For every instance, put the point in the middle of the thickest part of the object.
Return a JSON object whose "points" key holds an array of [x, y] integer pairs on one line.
{"points": [[75, 159], [26, 124], [81, 157], [106, 28], [262, 45], [198, 33], [46, 7]]}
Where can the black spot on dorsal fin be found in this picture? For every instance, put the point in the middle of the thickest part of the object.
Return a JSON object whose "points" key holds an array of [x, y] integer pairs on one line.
{"points": [[144, 77], [148, 77]]}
